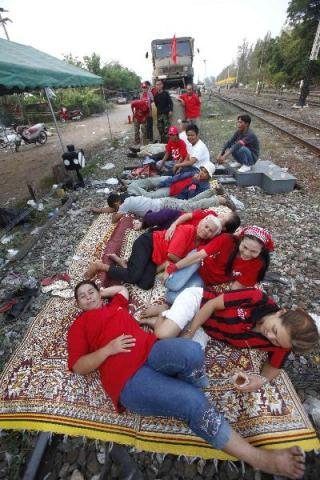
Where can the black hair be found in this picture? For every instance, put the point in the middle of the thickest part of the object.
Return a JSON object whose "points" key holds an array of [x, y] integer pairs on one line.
{"points": [[147, 83], [84, 282], [185, 122], [159, 80], [192, 127], [113, 199], [264, 256], [233, 223], [245, 118]]}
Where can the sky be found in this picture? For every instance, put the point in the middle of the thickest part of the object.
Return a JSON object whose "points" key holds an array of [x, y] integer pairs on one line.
{"points": [[122, 30]]}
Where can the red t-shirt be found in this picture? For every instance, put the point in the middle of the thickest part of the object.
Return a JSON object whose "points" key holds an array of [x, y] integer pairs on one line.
{"points": [[213, 266], [94, 329], [140, 110], [182, 242], [192, 105], [198, 215], [177, 150]]}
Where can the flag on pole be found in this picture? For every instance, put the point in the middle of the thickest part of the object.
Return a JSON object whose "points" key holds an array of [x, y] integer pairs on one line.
{"points": [[174, 49]]}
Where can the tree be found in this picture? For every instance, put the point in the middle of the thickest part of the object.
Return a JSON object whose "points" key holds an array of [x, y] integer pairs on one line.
{"points": [[93, 63], [243, 61], [69, 58]]}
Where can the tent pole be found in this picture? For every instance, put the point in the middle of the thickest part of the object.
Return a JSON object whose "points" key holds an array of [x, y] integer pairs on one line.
{"points": [[54, 119], [110, 131]]}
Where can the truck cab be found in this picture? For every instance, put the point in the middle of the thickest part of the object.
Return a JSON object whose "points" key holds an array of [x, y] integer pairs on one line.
{"points": [[173, 74]]}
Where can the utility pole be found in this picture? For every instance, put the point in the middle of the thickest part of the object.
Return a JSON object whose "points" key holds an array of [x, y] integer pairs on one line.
{"points": [[3, 22], [205, 69], [305, 90]]}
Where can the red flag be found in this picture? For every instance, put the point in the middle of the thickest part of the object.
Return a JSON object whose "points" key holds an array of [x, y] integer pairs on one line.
{"points": [[174, 49]]}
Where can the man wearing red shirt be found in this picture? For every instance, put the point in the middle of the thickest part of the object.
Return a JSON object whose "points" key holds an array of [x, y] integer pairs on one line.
{"points": [[192, 105], [140, 111], [176, 151]]}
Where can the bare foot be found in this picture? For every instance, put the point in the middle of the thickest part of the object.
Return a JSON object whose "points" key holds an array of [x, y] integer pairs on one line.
{"points": [[151, 321], [288, 462], [154, 310], [94, 268], [118, 260]]}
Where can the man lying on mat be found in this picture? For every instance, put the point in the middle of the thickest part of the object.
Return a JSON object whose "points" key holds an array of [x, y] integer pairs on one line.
{"points": [[157, 378], [152, 251], [245, 318]]}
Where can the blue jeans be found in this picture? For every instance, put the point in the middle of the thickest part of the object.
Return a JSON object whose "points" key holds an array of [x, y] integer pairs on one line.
{"points": [[181, 279], [243, 155], [163, 387]]}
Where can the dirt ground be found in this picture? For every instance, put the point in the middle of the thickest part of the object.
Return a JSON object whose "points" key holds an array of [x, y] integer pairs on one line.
{"points": [[33, 163]]}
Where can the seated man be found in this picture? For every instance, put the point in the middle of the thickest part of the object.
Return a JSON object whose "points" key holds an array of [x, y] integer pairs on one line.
{"points": [[157, 378], [185, 185], [139, 206], [198, 151], [243, 146], [176, 152]]}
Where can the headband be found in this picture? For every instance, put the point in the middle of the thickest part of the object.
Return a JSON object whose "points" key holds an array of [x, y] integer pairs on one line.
{"points": [[259, 233]]}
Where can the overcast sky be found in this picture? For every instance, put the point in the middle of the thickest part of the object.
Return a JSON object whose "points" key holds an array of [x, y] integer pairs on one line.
{"points": [[123, 29]]}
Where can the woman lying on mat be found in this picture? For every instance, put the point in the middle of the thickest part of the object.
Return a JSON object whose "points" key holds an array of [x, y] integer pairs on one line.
{"points": [[238, 261], [245, 318], [170, 218], [152, 250], [157, 378]]}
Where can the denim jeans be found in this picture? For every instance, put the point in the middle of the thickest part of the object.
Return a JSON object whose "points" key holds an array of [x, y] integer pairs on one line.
{"points": [[182, 279], [163, 387], [243, 155]]}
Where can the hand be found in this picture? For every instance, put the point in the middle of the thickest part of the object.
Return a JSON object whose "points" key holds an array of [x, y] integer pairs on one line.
{"points": [[164, 277], [255, 383], [94, 210], [187, 333], [123, 343], [170, 232], [169, 114]]}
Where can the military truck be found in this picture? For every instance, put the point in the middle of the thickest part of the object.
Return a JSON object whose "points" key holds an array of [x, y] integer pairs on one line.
{"points": [[173, 74]]}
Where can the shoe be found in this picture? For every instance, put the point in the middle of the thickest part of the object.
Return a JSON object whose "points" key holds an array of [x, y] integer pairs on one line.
{"points": [[234, 164], [244, 169], [134, 149]]}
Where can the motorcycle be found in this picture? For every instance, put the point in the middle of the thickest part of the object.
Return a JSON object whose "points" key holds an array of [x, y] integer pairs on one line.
{"points": [[65, 114], [35, 134]]}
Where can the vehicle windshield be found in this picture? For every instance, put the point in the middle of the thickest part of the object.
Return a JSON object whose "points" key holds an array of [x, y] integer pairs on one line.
{"points": [[163, 50]]}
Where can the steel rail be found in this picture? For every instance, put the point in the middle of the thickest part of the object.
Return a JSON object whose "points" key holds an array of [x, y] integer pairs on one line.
{"points": [[303, 142]]}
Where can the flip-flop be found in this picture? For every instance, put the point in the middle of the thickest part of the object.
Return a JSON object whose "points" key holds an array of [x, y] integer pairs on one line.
{"points": [[67, 293]]}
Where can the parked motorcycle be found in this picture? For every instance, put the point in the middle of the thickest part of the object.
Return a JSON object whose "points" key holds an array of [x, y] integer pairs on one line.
{"points": [[35, 134], [65, 114]]}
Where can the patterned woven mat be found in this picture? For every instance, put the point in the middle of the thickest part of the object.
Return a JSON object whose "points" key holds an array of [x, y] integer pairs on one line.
{"points": [[37, 392]]}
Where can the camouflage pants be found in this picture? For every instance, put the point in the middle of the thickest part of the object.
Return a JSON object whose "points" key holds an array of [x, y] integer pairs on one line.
{"points": [[163, 124], [137, 127]]}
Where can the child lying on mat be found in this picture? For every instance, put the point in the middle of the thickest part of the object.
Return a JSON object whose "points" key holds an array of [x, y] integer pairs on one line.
{"points": [[245, 318], [157, 378]]}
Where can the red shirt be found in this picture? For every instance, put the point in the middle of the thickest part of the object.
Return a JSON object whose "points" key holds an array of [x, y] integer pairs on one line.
{"points": [[192, 105], [213, 266], [177, 150], [234, 325], [140, 109], [182, 242], [94, 329], [198, 215]]}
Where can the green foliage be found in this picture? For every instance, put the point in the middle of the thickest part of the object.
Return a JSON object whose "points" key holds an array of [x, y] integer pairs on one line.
{"points": [[283, 59], [87, 100]]}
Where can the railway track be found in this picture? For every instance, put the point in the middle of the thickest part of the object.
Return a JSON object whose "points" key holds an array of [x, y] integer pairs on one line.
{"points": [[280, 98], [303, 133]]}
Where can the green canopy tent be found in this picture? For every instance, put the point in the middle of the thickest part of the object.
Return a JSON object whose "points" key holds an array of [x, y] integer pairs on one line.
{"points": [[23, 68]]}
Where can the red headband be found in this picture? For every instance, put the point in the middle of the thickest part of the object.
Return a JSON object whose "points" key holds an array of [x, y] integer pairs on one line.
{"points": [[259, 233]]}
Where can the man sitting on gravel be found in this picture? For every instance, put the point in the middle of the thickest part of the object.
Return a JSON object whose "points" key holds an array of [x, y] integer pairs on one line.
{"points": [[140, 205], [243, 146]]}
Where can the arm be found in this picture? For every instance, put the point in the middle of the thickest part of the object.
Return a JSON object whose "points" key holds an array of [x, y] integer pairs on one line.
{"points": [[188, 161], [182, 219], [90, 362], [112, 291], [102, 210], [116, 216], [204, 314], [163, 161], [237, 285]]}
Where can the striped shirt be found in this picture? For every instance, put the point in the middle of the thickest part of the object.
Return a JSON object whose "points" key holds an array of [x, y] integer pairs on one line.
{"points": [[234, 325]]}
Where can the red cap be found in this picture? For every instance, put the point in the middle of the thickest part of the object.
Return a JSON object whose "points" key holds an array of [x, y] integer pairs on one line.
{"points": [[173, 131]]}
